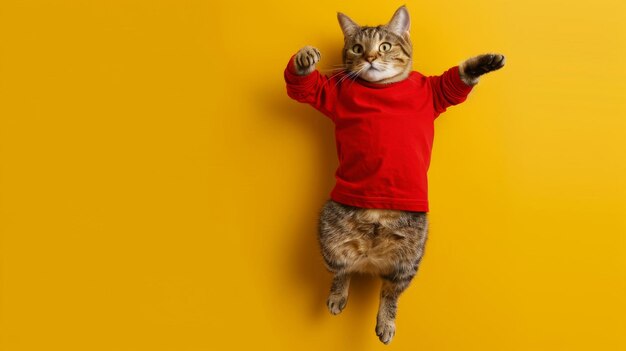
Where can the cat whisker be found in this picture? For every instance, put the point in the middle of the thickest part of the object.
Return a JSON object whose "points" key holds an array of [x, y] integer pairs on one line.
{"points": [[363, 68], [331, 69], [349, 75], [336, 74]]}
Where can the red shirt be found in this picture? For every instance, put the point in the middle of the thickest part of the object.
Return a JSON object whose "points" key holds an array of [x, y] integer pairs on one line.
{"points": [[384, 132]]}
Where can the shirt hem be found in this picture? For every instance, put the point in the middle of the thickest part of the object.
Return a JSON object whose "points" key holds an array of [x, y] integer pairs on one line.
{"points": [[380, 202]]}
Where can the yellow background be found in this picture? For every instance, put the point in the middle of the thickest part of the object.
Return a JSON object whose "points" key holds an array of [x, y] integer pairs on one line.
{"points": [[159, 190]]}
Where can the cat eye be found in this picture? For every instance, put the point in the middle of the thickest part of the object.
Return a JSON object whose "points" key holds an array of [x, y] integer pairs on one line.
{"points": [[384, 47], [357, 49]]}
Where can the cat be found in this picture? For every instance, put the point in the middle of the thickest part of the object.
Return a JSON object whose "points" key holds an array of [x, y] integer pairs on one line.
{"points": [[387, 238]]}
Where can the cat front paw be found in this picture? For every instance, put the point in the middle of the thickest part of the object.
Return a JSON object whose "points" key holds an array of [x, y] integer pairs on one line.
{"points": [[336, 303], [385, 330], [305, 60], [476, 66], [482, 64]]}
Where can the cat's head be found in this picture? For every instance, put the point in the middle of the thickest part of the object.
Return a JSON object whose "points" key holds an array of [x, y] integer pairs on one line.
{"points": [[379, 54]]}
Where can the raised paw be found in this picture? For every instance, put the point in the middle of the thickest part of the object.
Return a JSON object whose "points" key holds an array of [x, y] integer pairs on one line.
{"points": [[385, 331], [482, 64], [306, 58], [336, 303]]}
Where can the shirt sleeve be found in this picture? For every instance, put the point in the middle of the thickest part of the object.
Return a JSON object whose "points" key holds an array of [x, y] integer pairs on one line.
{"points": [[314, 89], [448, 90]]}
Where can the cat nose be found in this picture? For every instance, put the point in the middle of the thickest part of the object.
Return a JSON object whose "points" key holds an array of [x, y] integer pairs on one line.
{"points": [[370, 58]]}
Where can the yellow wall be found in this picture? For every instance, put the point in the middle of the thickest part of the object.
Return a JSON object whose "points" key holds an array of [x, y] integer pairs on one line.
{"points": [[159, 191]]}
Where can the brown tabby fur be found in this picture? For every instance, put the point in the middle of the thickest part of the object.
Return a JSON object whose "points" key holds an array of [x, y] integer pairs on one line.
{"points": [[388, 243]]}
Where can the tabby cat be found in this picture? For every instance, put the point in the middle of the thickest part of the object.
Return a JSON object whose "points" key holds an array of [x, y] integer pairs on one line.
{"points": [[386, 242]]}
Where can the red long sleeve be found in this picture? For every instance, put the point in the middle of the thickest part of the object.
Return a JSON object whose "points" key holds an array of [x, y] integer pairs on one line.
{"points": [[314, 89], [448, 89], [384, 132]]}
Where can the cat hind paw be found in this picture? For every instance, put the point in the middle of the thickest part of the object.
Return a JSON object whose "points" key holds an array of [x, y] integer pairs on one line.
{"points": [[385, 331], [336, 303]]}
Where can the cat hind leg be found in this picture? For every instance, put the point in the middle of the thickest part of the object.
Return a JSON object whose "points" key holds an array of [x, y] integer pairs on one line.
{"points": [[338, 296]]}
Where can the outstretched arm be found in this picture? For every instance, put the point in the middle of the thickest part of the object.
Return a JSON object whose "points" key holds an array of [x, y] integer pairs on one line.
{"points": [[475, 67], [448, 89], [453, 86], [306, 84]]}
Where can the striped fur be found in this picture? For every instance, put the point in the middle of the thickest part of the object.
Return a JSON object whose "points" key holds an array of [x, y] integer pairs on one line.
{"points": [[380, 54], [387, 243]]}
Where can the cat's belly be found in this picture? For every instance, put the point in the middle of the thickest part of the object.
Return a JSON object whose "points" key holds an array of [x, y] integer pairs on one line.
{"points": [[377, 241], [377, 253], [377, 260]]}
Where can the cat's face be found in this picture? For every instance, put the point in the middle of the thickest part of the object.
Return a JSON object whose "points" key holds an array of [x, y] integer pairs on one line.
{"points": [[379, 54]]}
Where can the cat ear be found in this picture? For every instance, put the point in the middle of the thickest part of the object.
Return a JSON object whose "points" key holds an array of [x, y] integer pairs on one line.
{"points": [[348, 26], [400, 23]]}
